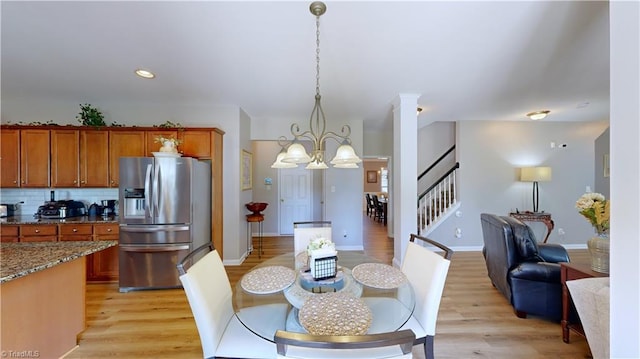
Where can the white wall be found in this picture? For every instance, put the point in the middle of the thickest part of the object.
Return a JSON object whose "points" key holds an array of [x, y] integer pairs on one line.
{"points": [[625, 177], [490, 154]]}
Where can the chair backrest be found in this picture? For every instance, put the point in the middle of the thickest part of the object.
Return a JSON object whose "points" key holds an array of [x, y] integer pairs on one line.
{"points": [[383, 345], [591, 297], [507, 243], [427, 272], [209, 294], [303, 232]]}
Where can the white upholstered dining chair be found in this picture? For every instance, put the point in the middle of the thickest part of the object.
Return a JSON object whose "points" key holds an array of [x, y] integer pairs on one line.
{"points": [[427, 271], [392, 345], [591, 298], [209, 294], [304, 232]]}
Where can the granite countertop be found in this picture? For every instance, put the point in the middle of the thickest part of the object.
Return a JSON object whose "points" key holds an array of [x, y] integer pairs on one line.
{"points": [[77, 220], [21, 259]]}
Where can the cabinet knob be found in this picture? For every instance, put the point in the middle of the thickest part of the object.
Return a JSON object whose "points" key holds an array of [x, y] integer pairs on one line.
{"points": [[74, 182], [108, 229], [15, 181], [22, 182], [75, 229], [37, 231], [83, 182]]}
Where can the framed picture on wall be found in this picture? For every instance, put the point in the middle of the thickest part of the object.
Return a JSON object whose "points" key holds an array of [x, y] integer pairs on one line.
{"points": [[245, 170], [372, 176]]}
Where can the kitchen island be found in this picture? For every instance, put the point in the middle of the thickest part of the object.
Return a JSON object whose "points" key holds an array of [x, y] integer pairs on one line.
{"points": [[43, 296]]}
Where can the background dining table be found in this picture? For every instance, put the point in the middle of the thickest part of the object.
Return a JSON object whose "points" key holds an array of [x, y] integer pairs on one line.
{"points": [[273, 294]]}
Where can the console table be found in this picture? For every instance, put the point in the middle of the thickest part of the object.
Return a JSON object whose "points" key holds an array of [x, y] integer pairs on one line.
{"points": [[536, 217], [571, 271]]}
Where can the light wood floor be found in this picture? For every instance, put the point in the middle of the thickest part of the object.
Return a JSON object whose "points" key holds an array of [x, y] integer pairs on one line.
{"points": [[474, 321]]}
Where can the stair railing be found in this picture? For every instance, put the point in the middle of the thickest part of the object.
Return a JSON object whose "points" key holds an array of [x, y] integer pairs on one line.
{"points": [[437, 199]]}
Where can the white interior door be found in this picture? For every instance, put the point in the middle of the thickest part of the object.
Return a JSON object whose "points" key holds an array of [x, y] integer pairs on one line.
{"points": [[295, 197]]}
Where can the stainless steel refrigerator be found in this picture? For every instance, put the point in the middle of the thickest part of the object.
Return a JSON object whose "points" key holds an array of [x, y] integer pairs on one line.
{"points": [[165, 212]]}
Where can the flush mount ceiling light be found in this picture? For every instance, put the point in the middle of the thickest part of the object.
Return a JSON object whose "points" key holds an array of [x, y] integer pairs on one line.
{"points": [[538, 115], [145, 73], [296, 153]]}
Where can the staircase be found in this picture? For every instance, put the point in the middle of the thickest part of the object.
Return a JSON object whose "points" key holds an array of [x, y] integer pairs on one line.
{"points": [[439, 200]]}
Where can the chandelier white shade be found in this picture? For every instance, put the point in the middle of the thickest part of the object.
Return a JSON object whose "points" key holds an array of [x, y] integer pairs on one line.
{"points": [[317, 134], [279, 164]]}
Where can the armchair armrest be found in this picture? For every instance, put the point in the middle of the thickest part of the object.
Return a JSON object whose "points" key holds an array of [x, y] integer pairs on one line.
{"points": [[538, 272], [553, 253]]}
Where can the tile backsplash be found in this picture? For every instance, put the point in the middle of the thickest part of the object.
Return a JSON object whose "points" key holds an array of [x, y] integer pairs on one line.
{"points": [[35, 197]]}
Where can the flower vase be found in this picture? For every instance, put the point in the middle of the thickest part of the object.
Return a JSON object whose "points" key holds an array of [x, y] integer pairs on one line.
{"points": [[168, 146], [599, 252]]}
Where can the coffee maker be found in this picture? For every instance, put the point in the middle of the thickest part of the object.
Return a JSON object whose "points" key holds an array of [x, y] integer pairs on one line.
{"points": [[109, 207]]}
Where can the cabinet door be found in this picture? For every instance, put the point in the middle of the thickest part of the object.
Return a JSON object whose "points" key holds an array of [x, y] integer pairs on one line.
{"points": [[104, 264], [65, 158], [123, 144], [34, 158], [153, 146], [195, 143], [94, 158], [9, 233], [10, 158]]}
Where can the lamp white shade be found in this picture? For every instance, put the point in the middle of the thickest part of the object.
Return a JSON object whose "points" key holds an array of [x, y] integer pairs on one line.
{"points": [[296, 153], [535, 174], [279, 164], [345, 154]]}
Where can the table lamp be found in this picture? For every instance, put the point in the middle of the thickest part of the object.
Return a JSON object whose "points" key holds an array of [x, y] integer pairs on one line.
{"points": [[535, 175]]}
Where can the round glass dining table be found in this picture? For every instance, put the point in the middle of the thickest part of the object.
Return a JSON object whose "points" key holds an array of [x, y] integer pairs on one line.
{"points": [[272, 296]]}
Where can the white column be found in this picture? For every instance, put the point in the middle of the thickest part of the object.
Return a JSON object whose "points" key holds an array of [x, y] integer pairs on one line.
{"points": [[405, 171]]}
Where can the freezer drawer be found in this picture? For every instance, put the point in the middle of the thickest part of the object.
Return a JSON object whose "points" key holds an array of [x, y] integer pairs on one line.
{"points": [[151, 234], [150, 267]]}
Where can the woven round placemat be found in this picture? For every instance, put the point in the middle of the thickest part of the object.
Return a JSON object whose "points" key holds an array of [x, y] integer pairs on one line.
{"points": [[268, 280], [335, 314], [378, 275]]}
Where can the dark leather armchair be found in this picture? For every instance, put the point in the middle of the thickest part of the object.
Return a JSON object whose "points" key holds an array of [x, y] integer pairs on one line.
{"points": [[525, 272]]}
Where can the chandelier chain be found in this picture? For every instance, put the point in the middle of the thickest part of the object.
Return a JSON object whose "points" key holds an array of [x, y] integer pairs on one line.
{"points": [[317, 54]]}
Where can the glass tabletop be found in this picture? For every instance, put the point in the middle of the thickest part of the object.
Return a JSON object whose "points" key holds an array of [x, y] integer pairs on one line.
{"points": [[265, 312]]}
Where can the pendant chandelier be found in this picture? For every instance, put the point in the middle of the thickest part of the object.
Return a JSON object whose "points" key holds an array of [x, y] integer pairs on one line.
{"points": [[293, 152]]}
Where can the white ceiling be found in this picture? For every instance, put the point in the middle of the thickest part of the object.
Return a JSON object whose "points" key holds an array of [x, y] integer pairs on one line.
{"points": [[469, 60]]}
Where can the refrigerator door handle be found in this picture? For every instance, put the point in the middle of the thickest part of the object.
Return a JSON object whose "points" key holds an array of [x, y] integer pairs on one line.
{"points": [[153, 248], [156, 190], [141, 229], [148, 211]]}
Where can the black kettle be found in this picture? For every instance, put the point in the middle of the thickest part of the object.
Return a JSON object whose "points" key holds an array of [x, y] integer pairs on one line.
{"points": [[95, 210]]}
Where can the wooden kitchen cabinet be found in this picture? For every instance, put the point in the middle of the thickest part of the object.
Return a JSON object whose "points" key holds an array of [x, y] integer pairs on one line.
{"points": [[34, 158], [94, 158], [38, 233], [9, 233], [76, 232], [65, 158], [195, 143], [153, 146], [128, 143], [103, 265], [9, 158]]}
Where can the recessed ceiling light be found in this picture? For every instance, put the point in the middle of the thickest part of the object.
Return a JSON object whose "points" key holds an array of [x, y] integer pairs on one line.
{"points": [[145, 73], [538, 115]]}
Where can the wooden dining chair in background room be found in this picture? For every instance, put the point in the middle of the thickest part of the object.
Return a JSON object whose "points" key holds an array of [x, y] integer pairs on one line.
{"points": [[393, 345], [379, 213], [427, 271], [371, 208], [209, 294]]}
